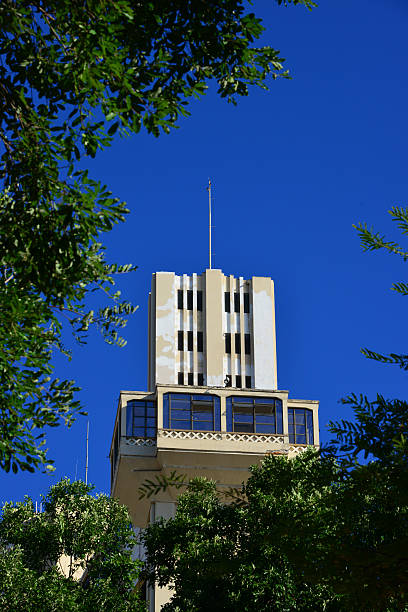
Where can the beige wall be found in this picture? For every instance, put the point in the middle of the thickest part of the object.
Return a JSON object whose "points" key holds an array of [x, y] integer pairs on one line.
{"points": [[264, 334], [214, 338], [214, 364]]}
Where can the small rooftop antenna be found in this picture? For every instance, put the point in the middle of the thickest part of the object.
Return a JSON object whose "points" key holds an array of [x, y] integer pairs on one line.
{"points": [[209, 215], [87, 443]]}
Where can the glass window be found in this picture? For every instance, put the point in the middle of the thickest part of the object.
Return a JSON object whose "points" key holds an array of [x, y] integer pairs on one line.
{"points": [[300, 422], [227, 298], [227, 343], [189, 340], [236, 302], [247, 339], [238, 381], [193, 412], [228, 380], [141, 419], [180, 341], [246, 302], [180, 378], [200, 341], [200, 379], [248, 382], [180, 299], [189, 300], [190, 378], [255, 415], [238, 344], [199, 300]]}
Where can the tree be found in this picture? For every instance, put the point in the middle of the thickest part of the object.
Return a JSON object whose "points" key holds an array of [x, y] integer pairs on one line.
{"points": [[71, 76], [303, 534], [234, 553], [74, 555]]}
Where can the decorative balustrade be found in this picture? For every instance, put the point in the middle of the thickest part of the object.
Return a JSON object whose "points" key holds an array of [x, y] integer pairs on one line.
{"points": [[273, 440], [255, 437], [140, 441], [296, 449], [177, 434], [183, 434]]}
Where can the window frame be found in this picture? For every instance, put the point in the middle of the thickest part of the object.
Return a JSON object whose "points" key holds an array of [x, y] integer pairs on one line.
{"points": [[131, 422], [196, 401], [234, 402], [292, 435]]}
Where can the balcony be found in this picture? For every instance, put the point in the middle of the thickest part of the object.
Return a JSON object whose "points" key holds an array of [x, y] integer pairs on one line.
{"points": [[220, 428]]}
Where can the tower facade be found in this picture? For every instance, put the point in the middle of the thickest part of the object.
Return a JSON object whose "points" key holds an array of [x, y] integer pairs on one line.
{"points": [[213, 407], [212, 330]]}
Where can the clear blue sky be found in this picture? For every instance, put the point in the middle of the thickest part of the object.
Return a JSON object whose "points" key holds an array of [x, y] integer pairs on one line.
{"points": [[293, 169]]}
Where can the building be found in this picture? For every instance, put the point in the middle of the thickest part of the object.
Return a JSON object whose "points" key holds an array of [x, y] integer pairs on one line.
{"points": [[213, 407]]}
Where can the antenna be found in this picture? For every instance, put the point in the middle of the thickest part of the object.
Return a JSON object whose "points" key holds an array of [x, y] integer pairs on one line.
{"points": [[209, 217], [86, 463]]}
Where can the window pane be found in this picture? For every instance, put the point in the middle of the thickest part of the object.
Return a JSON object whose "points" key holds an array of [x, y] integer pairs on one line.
{"points": [[309, 426], [265, 418], [138, 432], [300, 438], [246, 302], [238, 381], [200, 341], [150, 433], [201, 397], [189, 300], [180, 401], [180, 299], [180, 414], [244, 427], [190, 377], [247, 344], [290, 416], [180, 424], [238, 344], [227, 343], [236, 302], [180, 378], [265, 428], [248, 382], [264, 410], [200, 379], [180, 341], [138, 407], [199, 300], [300, 417], [243, 418], [227, 297], [150, 422], [203, 425]]}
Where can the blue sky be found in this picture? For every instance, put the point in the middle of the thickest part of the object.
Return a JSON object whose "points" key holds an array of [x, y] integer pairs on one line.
{"points": [[293, 169]]}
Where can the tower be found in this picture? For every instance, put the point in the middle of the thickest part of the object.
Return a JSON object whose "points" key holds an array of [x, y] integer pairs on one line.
{"points": [[213, 407]]}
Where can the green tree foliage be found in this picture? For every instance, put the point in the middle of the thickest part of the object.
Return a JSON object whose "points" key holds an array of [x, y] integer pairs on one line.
{"points": [[303, 534], [220, 555], [71, 76], [74, 555]]}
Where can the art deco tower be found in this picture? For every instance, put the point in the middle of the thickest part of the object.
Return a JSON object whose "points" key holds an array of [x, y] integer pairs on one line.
{"points": [[213, 407]]}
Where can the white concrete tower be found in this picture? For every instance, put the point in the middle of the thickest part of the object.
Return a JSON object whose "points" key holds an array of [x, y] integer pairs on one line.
{"points": [[212, 330], [213, 407]]}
